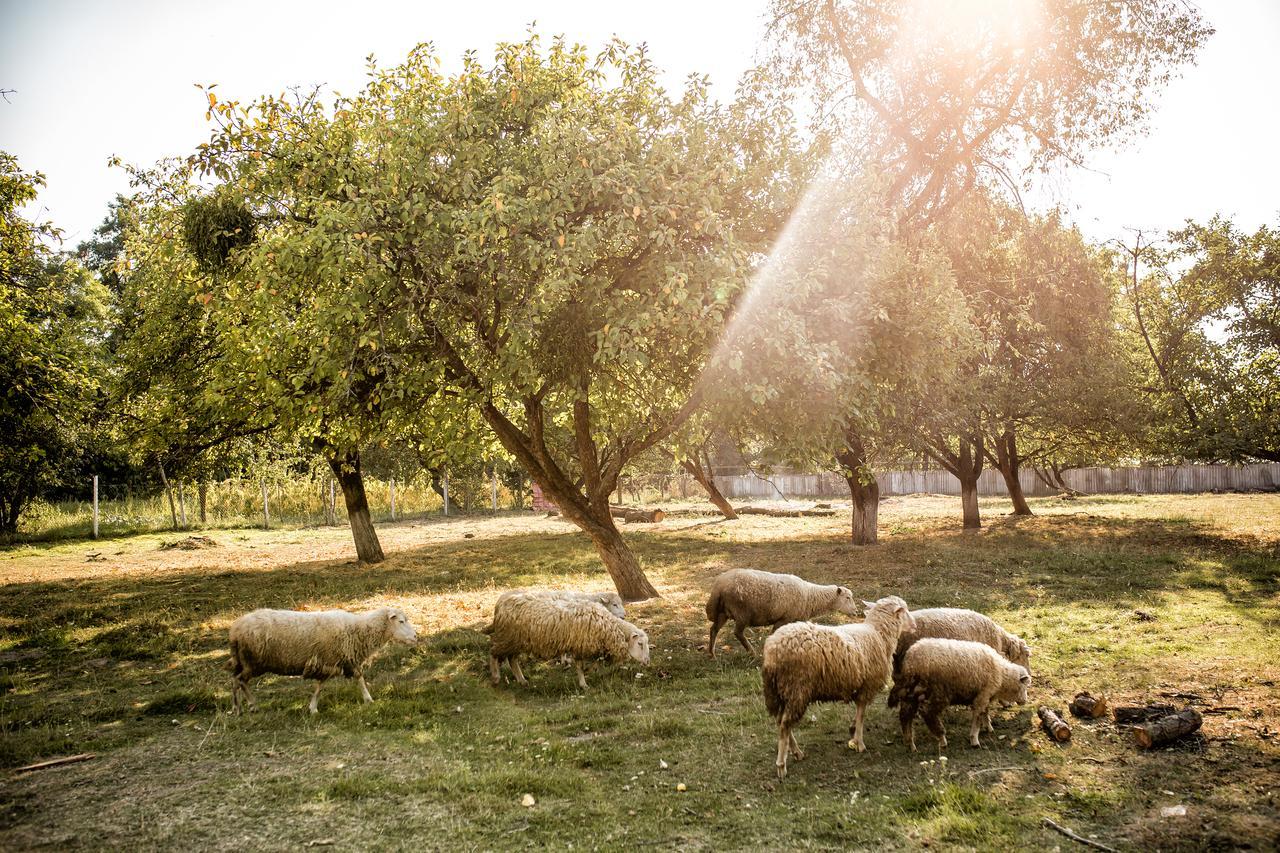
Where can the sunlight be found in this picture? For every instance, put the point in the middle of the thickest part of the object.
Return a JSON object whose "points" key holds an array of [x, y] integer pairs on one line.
{"points": [[968, 26]]}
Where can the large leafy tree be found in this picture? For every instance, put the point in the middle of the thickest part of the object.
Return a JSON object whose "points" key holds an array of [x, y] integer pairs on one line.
{"points": [[52, 323], [1206, 328], [551, 239]]}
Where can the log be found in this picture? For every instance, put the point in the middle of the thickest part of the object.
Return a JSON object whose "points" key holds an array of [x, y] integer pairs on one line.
{"points": [[1088, 706], [1128, 715], [783, 513], [1166, 729], [57, 762], [1053, 724], [637, 516]]}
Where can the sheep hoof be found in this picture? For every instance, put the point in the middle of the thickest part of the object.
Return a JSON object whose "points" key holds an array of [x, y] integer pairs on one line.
{"points": [[782, 772], [857, 745]]}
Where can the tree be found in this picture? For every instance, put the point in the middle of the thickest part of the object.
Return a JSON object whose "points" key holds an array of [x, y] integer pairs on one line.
{"points": [[948, 96], [1207, 339], [52, 314], [550, 239]]}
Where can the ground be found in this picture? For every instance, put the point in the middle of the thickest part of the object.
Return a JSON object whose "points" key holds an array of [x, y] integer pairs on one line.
{"points": [[115, 648]]}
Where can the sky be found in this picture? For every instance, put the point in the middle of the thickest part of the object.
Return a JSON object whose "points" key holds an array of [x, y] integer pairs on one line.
{"points": [[96, 79]]}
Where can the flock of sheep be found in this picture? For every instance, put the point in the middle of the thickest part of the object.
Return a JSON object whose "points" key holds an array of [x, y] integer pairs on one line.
{"points": [[936, 658]]}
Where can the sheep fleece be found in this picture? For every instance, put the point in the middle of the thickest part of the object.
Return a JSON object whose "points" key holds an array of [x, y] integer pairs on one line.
{"points": [[319, 645], [546, 628], [752, 598], [954, 623], [611, 600]]}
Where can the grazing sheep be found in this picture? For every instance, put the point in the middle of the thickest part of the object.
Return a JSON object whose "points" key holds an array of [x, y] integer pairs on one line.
{"points": [[611, 600], [550, 627], [954, 623], [752, 598], [319, 645], [936, 674], [806, 663]]}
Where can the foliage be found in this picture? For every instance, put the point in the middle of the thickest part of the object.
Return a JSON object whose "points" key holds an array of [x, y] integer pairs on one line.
{"points": [[945, 96], [52, 315], [1208, 341]]}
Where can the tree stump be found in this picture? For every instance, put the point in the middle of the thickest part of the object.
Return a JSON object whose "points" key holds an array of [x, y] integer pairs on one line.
{"points": [[1053, 724], [1166, 729], [1088, 706]]}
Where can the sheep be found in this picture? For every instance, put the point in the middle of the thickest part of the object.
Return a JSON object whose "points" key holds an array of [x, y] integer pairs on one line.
{"points": [[937, 673], [319, 645], [550, 627], [805, 662], [954, 623], [752, 598], [611, 600]]}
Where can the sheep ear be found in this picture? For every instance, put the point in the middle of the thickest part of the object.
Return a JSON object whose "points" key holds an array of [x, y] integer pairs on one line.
{"points": [[868, 604], [1025, 679]]}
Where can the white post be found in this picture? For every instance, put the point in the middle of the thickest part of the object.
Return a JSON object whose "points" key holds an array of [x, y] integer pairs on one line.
{"points": [[446, 492], [333, 502], [393, 498], [266, 512], [95, 506], [182, 506], [493, 474]]}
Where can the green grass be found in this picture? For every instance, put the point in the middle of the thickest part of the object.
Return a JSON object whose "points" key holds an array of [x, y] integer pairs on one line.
{"points": [[122, 658]]}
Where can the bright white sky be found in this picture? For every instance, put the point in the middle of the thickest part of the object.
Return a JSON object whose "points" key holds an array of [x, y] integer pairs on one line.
{"points": [[94, 79]]}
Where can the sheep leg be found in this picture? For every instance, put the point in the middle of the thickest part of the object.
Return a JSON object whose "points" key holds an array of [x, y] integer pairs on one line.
{"points": [[514, 663], [980, 709], [235, 696], [794, 746], [247, 694], [314, 707], [364, 688], [989, 727], [739, 631], [582, 679], [784, 746], [716, 625], [856, 729], [933, 719], [907, 717], [495, 669]]}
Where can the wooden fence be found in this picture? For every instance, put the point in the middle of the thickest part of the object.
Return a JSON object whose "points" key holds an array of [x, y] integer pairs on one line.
{"points": [[1164, 479]]}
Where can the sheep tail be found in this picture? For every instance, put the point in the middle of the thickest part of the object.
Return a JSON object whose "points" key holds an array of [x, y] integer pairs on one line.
{"points": [[713, 605], [897, 694], [773, 700], [488, 629], [232, 664]]}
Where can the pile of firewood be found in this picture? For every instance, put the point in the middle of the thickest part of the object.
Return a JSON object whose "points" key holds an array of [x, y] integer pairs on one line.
{"points": [[1152, 725]]}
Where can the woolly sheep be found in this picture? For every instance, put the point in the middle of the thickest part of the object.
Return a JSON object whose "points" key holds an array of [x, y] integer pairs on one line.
{"points": [[805, 662], [611, 600], [319, 645], [550, 627], [938, 673], [752, 598], [954, 623]]}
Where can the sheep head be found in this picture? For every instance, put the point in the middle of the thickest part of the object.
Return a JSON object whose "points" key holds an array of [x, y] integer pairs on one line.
{"points": [[894, 608], [638, 646], [399, 627], [845, 602]]}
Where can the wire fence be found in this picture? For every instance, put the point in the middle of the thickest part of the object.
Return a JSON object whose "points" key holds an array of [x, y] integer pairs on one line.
{"points": [[299, 502]]}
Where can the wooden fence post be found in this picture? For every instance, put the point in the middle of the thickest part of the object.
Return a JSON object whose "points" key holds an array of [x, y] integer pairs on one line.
{"points": [[446, 492], [493, 474], [182, 505], [95, 506], [266, 511], [393, 498], [333, 501]]}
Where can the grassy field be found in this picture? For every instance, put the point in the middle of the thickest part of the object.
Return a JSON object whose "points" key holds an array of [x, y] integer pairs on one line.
{"points": [[115, 648]]}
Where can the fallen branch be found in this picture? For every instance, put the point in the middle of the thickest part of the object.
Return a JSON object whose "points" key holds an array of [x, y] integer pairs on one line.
{"points": [[1054, 725], [58, 762], [637, 516], [1088, 842], [1088, 706], [783, 513]]}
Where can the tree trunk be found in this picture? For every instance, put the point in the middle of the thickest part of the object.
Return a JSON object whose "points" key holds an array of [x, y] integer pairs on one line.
{"points": [[347, 471], [708, 483], [164, 480], [969, 503], [865, 496], [1008, 462], [621, 564], [204, 502]]}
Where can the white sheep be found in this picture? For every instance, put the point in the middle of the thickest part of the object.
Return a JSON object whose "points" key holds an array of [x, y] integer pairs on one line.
{"points": [[936, 674], [611, 600], [551, 627], [319, 645], [805, 662], [752, 598], [955, 623]]}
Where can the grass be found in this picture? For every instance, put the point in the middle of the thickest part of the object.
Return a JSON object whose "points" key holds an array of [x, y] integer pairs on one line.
{"points": [[120, 656]]}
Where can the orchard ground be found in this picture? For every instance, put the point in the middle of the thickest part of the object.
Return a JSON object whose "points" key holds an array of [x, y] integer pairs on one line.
{"points": [[115, 647]]}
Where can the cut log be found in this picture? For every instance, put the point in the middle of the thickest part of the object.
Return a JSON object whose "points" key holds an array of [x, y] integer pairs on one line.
{"points": [[637, 516], [1053, 724], [1166, 729], [1088, 706], [783, 513], [1129, 715]]}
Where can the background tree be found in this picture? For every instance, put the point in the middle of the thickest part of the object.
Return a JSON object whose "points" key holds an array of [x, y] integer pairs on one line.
{"points": [[52, 328]]}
